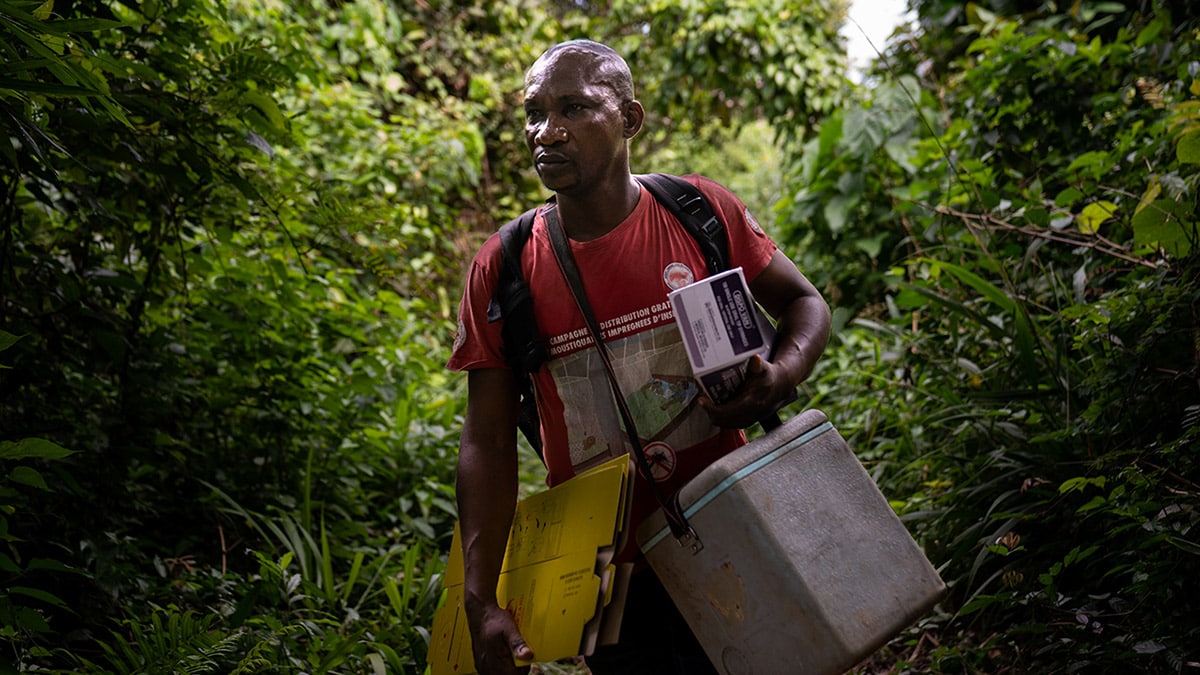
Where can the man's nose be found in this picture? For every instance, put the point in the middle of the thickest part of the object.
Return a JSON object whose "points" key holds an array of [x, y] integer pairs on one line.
{"points": [[550, 131]]}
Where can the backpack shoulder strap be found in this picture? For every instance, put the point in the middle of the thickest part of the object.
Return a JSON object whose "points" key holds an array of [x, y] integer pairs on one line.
{"points": [[691, 208], [512, 303], [512, 239]]}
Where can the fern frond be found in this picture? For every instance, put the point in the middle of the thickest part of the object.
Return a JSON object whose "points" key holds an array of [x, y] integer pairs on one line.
{"points": [[185, 643]]}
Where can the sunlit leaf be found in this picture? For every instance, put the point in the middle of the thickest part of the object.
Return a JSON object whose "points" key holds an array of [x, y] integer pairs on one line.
{"points": [[1094, 214]]}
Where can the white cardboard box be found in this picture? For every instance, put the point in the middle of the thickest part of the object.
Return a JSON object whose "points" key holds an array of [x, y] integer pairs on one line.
{"points": [[722, 328]]}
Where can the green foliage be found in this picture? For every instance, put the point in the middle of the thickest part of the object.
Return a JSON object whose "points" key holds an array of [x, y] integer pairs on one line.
{"points": [[231, 238], [207, 269], [180, 643], [844, 236], [1013, 210], [778, 60], [24, 590], [45, 57], [749, 165]]}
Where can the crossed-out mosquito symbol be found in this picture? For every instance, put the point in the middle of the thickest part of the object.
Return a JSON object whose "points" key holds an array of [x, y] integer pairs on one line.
{"points": [[662, 460]]}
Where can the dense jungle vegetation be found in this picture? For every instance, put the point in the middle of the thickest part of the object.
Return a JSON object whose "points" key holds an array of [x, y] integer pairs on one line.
{"points": [[231, 238]]}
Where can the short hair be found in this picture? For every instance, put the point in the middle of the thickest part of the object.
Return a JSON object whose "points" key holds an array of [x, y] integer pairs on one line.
{"points": [[611, 70]]}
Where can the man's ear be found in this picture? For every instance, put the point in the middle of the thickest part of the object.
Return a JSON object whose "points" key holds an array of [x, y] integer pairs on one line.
{"points": [[635, 116]]}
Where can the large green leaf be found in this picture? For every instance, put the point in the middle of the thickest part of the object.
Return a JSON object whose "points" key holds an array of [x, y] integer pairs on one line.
{"points": [[32, 448], [1167, 224], [1188, 149], [38, 594], [27, 475]]}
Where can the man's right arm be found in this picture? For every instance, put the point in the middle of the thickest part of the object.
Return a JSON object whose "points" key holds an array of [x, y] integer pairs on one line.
{"points": [[487, 497]]}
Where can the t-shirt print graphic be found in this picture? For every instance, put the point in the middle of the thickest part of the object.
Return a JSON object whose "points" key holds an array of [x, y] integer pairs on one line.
{"points": [[653, 373]]}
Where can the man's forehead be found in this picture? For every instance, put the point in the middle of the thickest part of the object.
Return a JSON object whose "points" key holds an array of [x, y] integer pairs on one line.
{"points": [[564, 63], [567, 74]]}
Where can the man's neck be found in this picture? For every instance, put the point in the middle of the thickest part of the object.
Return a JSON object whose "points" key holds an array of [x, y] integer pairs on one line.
{"points": [[591, 216]]}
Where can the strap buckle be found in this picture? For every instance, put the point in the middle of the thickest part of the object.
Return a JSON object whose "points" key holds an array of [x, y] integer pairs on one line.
{"points": [[690, 540]]}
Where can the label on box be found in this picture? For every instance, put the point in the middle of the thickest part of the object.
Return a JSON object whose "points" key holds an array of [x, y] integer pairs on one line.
{"points": [[721, 329]]}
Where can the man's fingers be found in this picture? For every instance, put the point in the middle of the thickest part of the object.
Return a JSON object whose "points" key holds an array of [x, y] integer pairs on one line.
{"points": [[520, 650], [751, 403], [502, 649]]}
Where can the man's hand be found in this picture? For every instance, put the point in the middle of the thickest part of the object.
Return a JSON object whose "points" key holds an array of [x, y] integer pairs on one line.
{"points": [[801, 332], [498, 644], [766, 388]]}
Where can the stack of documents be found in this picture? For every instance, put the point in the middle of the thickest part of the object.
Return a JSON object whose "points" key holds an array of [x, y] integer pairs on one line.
{"points": [[558, 579]]}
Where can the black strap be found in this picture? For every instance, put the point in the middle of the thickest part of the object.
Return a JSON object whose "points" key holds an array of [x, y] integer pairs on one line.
{"points": [[566, 263], [523, 347], [692, 210], [513, 301]]}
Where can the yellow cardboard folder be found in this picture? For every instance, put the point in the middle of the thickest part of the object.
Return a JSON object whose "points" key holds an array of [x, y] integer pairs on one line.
{"points": [[557, 578]]}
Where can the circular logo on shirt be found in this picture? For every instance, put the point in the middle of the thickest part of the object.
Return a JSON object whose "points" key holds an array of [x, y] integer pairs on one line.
{"points": [[677, 275], [662, 460]]}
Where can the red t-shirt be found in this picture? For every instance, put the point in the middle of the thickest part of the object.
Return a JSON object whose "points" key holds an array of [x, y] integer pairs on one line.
{"points": [[627, 274]]}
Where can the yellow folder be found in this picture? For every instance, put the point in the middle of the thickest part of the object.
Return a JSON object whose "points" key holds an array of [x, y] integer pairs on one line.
{"points": [[557, 579]]}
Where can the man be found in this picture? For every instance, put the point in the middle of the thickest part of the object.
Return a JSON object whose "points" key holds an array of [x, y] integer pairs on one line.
{"points": [[580, 116]]}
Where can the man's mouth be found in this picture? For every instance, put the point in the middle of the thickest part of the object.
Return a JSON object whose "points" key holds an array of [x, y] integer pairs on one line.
{"points": [[550, 159]]}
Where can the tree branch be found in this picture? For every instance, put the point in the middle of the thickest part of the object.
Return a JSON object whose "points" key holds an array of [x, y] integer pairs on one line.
{"points": [[990, 222]]}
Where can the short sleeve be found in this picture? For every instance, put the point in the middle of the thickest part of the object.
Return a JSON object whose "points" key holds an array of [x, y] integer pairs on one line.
{"points": [[477, 341]]}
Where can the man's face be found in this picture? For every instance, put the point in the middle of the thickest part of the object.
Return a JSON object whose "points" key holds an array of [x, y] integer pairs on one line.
{"points": [[575, 124]]}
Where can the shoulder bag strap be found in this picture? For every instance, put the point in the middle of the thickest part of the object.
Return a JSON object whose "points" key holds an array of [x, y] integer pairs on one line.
{"points": [[566, 263]]}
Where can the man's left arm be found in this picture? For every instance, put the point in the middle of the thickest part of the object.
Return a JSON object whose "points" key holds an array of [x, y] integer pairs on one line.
{"points": [[802, 331]]}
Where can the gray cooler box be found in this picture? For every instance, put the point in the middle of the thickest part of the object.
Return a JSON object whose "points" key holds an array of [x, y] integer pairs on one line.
{"points": [[801, 565]]}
